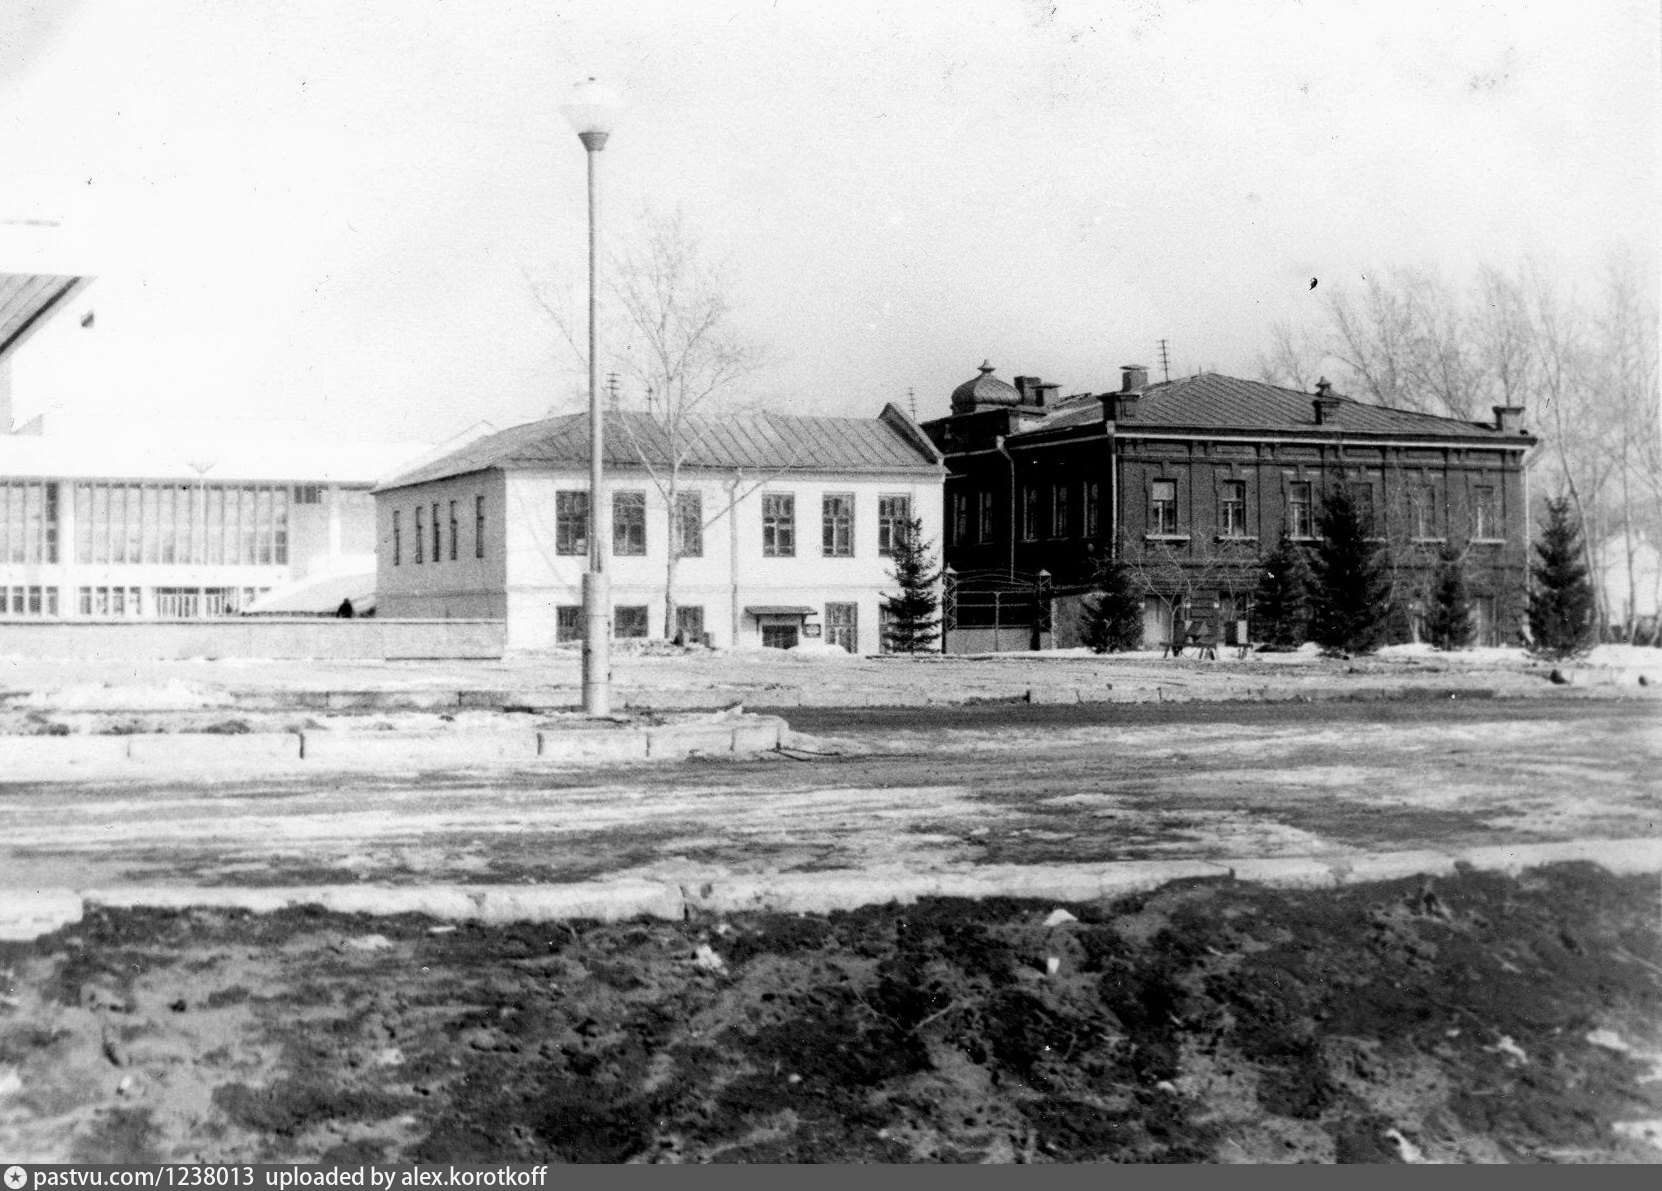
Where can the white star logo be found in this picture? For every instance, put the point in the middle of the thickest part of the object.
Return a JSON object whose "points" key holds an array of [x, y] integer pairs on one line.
{"points": [[16, 1177]]}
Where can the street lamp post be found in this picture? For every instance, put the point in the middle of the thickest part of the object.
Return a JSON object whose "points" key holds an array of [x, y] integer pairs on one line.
{"points": [[591, 111]]}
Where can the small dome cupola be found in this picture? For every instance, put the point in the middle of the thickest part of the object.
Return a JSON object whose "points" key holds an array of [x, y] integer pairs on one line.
{"points": [[984, 392]]}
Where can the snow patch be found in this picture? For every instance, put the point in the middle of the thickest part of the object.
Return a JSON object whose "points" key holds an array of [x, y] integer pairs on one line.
{"points": [[102, 696]]}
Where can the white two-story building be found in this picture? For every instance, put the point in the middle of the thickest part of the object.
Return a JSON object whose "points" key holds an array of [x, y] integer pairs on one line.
{"points": [[782, 527]]}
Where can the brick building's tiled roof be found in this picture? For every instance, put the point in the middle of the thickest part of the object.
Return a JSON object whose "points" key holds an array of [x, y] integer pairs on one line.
{"points": [[1210, 401], [752, 442]]}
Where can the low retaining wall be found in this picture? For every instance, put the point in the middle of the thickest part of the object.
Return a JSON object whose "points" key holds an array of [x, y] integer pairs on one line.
{"points": [[257, 637], [82, 758]]}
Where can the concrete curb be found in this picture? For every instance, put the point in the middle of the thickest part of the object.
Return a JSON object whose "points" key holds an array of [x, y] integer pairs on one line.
{"points": [[27, 914], [76, 758]]}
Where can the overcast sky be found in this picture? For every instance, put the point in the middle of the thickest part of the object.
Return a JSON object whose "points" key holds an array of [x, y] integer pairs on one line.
{"points": [[330, 209]]}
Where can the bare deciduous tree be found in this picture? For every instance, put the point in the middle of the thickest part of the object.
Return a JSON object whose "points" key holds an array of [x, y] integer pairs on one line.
{"points": [[683, 362]]}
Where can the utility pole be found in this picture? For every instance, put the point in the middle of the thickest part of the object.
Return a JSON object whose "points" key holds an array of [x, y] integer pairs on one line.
{"points": [[1165, 360]]}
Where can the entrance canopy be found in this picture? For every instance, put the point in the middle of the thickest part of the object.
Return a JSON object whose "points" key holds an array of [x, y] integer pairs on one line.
{"points": [[780, 610]]}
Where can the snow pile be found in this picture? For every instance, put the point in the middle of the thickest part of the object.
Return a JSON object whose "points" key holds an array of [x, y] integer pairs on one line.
{"points": [[103, 696], [818, 649]]}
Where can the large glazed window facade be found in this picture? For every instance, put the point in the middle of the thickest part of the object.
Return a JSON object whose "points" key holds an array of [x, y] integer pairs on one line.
{"points": [[571, 523], [778, 525], [28, 522], [837, 525], [237, 524]]}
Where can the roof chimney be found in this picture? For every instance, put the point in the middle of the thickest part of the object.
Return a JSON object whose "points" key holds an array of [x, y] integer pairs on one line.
{"points": [[1025, 386], [1044, 394], [1326, 404], [1120, 407], [1509, 419], [1133, 378]]}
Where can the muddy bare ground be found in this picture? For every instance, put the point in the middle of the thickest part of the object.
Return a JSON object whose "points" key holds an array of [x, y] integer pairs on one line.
{"points": [[1474, 1018]]}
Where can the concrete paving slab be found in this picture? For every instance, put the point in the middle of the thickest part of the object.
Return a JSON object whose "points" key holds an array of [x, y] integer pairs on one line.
{"points": [[679, 742], [588, 746], [1283, 872], [281, 749], [34, 753], [1617, 855], [1392, 866], [407, 750]]}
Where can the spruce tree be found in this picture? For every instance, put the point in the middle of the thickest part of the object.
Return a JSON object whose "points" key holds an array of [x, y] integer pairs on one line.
{"points": [[1561, 602], [1114, 619], [1281, 601], [1448, 617], [914, 614], [1351, 598]]}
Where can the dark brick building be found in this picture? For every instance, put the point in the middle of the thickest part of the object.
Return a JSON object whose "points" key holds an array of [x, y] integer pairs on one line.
{"points": [[1192, 481]]}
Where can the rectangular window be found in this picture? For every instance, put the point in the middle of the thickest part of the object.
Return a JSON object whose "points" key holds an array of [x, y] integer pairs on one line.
{"points": [[628, 523], [397, 540], [629, 620], [689, 623], [1093, 508], [1300, 520], [987, 524], [478, 527], [1232, 509], [1485, 522], [1422, 512], [419, 536], [687, 525], [453, 532], [779, 525], [568, 622], [837, 525], [571, 523], [958, 525], [1162, 507], [1029, 513], [436, 534], [308, 494], [1060, 522], [780, 636], [894, 515], [885, 624], [1361, 496], [842, 626]]}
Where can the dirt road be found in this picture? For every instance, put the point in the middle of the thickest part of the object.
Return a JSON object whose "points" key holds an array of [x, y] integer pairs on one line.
{"points": [[924, 789]]}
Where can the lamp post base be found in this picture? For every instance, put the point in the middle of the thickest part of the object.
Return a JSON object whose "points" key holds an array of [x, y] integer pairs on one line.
{"points": [[597, 635]]}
